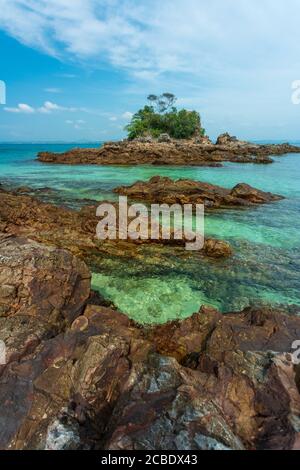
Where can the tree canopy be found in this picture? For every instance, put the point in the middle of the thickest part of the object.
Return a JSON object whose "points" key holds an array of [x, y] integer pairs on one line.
{"points": [[161, 116]]}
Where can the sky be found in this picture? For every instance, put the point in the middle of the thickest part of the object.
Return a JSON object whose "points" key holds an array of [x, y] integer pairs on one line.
{"points": [[77, 70]]}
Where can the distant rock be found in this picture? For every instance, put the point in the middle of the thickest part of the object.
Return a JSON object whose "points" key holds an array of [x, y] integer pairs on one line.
{"points": [[164, 138], [203, 140], [165, 151], [227, 139]]}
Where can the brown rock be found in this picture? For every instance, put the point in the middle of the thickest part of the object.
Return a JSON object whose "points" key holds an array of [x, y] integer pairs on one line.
{"points": [[176, 152], [41, 281], [217, 248], [167, 408], [246, 357], [209, 382], [165, 190], [76, 231]]}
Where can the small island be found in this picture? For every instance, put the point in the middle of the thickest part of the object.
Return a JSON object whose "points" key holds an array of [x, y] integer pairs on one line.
{"points": [[160, 134]]}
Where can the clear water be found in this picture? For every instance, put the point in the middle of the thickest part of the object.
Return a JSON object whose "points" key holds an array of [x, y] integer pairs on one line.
{"points": [[266, 264]]}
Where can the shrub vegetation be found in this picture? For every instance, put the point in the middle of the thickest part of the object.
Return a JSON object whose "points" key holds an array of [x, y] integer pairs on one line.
{"points": [[161, 116]]}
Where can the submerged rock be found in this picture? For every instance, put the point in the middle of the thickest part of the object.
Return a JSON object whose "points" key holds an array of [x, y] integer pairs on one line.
{"points": [[217, 248]]}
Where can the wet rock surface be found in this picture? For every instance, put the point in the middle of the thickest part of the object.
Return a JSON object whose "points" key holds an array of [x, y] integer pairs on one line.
{"points": [[24, 215], [199, 152], [165, 190]]}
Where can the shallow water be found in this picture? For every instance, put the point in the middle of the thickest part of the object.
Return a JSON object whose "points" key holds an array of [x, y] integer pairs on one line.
{"points": [[266, 265]]}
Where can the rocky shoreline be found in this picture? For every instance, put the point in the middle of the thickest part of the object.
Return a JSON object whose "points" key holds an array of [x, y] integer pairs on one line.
{"points": [[83, 376], [197, 152], [79, 374], [24, 215]]}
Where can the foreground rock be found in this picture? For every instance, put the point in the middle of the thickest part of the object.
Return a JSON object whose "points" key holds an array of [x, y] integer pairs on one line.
{"points": [[165, 190], [250, 371], [196, 152], [82, 376], [40, 281], [209, 382], [24, 215]]}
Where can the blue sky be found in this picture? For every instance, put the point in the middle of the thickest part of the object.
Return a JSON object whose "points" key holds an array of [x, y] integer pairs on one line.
{"points": [[77, 70]]}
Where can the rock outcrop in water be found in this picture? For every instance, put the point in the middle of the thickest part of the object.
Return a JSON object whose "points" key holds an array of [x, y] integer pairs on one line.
{"points": [[165, 190], [24, 215], [176, 152], [208, 382]]}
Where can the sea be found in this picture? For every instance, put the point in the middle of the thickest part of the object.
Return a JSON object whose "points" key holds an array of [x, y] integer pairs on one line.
{"points": [[265, 268]]}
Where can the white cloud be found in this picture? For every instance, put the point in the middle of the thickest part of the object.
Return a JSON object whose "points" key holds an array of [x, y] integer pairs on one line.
{"points": [[127, 115], [153, 37], [22, 108], [113, 118], [47, 108], [226, 59]]}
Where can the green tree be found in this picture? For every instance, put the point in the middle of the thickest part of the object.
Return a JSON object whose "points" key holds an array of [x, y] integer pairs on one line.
{"points": [[161, 116], [163, 102]]}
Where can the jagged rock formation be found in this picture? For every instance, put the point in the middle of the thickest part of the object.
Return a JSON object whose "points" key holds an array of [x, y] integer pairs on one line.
{"points": [[165, 190], [40, 281], [24, 215], [175, 152]]}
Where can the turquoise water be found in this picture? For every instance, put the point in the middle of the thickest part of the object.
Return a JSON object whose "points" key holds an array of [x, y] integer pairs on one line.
{"points": [[266, 264]]}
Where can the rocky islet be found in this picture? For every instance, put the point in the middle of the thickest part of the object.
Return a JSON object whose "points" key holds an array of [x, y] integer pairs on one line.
{"points": [[195, 152]]}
